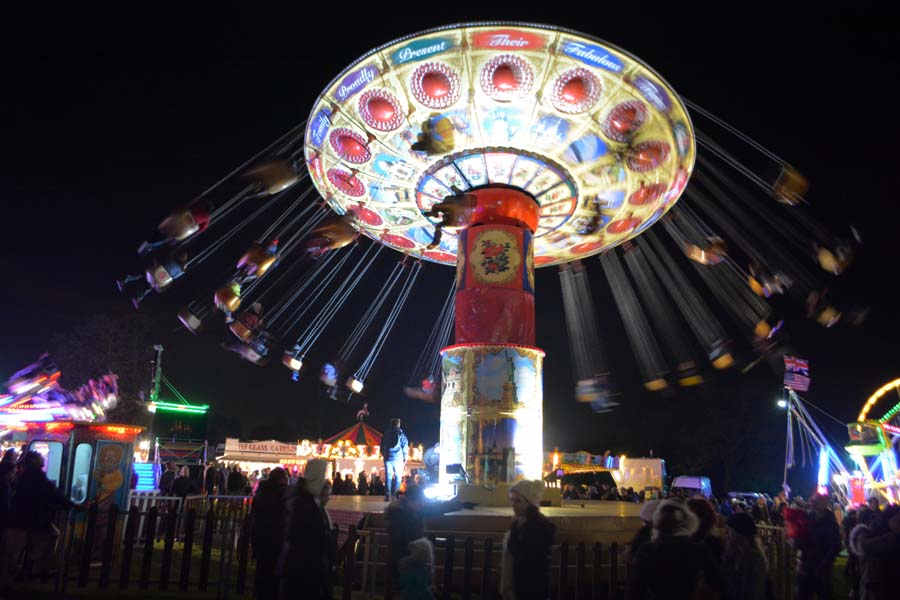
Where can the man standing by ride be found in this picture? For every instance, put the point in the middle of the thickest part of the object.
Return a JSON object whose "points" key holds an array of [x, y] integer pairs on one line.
{"points": [[394, 446]]}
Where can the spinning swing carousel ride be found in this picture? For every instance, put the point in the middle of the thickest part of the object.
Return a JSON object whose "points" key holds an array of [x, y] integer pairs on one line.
{"points": [[498, 148]]}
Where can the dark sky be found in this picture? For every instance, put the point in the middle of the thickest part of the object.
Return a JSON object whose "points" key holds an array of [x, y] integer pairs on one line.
{"points": [[112, 118]]}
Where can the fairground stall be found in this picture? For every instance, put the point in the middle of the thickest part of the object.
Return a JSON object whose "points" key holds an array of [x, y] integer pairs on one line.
{"points": [[646, 474], [89, 459], [89, 462], [352, 451], [257, 455]]}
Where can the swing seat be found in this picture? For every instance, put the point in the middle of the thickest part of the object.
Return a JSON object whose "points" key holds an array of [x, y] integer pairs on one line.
{"points": [[161, 275], [711, 252], [228, 297], [242, 327], [257, 260], [273, 176], [790, 187], [437, 137], [291, 360], [719, 355], [333, 233], [656, 385], [191, 321], [183, 223], [688, 374], [834, 261]]}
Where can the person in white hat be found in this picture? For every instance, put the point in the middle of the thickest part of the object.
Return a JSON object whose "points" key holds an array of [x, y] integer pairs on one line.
{"points": [[525, 571]]}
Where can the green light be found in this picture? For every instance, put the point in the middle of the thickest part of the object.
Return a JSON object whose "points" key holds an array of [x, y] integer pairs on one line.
{"points": [[197, 409], [887, 417]]}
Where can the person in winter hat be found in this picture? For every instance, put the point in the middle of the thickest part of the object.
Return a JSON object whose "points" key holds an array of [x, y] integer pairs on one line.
{"points": [[744, 565], [525, 573], [671, 566]]}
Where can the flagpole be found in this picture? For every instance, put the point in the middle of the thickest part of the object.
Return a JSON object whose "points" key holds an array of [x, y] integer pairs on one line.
{"points": [[788, 444]]}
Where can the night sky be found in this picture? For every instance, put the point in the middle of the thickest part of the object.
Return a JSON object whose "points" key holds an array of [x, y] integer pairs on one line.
{"points": [[111, 119]]}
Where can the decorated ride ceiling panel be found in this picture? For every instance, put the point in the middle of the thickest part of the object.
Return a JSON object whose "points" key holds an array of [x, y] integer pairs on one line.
{"points": [[595, 136]]}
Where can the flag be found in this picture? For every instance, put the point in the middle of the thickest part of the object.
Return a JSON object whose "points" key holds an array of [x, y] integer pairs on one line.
{"points": [[796, 373]]}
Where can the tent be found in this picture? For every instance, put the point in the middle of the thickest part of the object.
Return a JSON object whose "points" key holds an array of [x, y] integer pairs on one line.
{"points": [[359, 434]]}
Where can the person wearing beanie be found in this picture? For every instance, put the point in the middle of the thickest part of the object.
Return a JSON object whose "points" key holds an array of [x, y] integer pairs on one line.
{"points": [[671, 565], [744, 565], [307, 556], [525, 573]]}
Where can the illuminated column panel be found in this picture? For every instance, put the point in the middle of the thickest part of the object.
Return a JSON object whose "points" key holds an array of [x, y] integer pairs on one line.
{"points": [[492, 412]]}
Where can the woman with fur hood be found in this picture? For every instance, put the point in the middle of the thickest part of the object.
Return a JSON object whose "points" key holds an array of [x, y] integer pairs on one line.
{"points": [[671, 566], [878, 548]]}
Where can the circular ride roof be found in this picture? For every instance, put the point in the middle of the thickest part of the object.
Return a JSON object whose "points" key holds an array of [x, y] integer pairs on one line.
{"points": [[597, 137]]}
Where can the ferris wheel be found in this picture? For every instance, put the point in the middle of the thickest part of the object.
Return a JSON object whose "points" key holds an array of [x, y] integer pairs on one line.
{"points": [[875, 441]]}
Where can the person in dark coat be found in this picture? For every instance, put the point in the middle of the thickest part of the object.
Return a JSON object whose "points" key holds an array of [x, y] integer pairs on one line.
{"points": [[307, 556], [394, 447], [818, 550], [33, 506], [167, 479], [236, 482], [405, 523], [877, 546], [643, 534], [376, 487], [671, 566], [210, 479], [362, 486], [744, 565], [267, 532], [706, 533], [525, 573], [7, 470], [183, 486]]}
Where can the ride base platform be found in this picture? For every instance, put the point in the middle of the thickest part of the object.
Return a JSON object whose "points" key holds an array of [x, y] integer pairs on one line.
{"points": [[586, 521]]}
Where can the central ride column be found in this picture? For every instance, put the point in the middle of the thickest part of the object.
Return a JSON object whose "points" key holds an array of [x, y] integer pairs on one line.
{"points": [[491, 397]]}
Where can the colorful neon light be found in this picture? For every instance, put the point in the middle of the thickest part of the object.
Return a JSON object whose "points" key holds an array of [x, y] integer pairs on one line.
{"points": [[823, 467], [120, 429], [876, 396], [198, 409]]}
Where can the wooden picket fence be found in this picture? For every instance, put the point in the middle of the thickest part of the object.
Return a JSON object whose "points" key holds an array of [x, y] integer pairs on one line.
{"points": [[209, 554]]}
